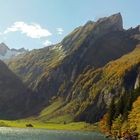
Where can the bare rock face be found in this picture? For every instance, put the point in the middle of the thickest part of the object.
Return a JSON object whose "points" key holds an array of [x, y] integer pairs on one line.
{"points": [[137, 83], [107, 24], [92, 30], [114, 21]]}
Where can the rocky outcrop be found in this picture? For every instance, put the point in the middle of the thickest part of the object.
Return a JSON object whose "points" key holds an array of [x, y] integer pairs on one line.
{"points": [[92, 30], [137, 83], [113, 22], [108, 24]]}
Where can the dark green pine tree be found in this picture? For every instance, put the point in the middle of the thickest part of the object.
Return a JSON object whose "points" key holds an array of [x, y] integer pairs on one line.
{"points": [[135, 94], [129, 98], [111, 112], [119, 107], [128, 104]]}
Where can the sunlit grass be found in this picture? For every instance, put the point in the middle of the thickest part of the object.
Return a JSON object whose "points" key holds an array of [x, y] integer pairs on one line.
{"points": [[52, 126]]}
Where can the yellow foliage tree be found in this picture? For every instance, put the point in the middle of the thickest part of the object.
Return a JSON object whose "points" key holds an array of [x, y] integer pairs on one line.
{"points": [[103, 125], [116, 126], [134, 116]]}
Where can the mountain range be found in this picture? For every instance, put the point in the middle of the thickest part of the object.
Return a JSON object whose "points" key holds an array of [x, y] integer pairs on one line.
{"points": [[6, 53], [76, 79]]}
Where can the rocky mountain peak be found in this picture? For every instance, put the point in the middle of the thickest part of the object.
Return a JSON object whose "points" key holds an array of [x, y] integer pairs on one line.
{"points": [[22, 50], [90, 22], [115, 22], [3, 48], [6, 53], [19, 50], [117, 19], [139, 27]]}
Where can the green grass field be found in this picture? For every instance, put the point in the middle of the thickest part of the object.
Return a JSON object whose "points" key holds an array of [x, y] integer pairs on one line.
{"points": [[47, 119], [82, 126]]}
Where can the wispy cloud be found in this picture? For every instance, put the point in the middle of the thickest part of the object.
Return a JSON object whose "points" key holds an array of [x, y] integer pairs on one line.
{"points": [[47, 43], [31, 30], [60, 31]]}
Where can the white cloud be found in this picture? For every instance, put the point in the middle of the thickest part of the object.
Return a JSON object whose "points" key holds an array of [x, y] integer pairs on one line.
{"points": [[31, 30], [47, 43], [60, 31]]}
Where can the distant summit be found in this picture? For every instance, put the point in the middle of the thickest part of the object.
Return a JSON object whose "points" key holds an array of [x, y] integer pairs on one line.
{"points": [[7, 53], [3, 49], [114, 22]]}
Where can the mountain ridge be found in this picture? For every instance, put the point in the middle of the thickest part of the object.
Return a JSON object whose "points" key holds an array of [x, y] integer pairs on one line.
{"points": [[76, 62], [14, 95], [74, 73], [7, 53]]}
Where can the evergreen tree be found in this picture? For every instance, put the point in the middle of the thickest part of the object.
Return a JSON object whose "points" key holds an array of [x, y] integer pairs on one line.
{"points": [[111, 112], [119, 107], [128, 104]]}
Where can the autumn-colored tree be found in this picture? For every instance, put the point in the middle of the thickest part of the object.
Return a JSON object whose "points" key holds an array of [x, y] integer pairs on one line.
{"points": [[103, 125], [116, 126], [134, 116]]}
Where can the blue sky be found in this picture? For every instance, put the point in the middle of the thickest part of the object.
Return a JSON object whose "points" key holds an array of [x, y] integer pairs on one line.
{"points": [[34, 23]]}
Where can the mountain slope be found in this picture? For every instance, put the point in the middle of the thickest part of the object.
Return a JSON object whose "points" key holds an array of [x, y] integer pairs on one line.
{"points": [[105, 42], [93, 90], [100, 86], [14, 96], [79, 42], [30, 66], [134, 115]]}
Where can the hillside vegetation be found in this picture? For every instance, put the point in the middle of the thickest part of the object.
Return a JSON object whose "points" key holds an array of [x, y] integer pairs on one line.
{"points": [[93, 90], [122, 117]]}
